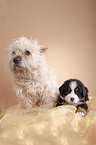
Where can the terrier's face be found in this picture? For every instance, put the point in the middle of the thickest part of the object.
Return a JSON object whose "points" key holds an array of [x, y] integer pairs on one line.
{"points": [[25, 55], [73, 91]]}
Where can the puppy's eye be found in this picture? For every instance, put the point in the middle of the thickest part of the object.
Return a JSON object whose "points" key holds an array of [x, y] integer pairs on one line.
{"points": [[27, 52], [76, 90]]}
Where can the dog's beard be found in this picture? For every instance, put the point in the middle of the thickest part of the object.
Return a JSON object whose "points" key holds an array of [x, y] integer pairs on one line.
{"points": [[18, 68], [23, 70], [19, 71]]}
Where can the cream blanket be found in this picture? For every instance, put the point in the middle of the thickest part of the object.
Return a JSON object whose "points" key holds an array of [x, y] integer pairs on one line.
{"points": [[57, 126]]}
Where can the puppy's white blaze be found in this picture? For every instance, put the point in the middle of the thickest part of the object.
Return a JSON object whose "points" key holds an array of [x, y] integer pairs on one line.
{"points": [[73, 85], [72, 94]]}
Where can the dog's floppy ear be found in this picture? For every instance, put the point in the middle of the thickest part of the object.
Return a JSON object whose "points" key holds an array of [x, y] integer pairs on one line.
{"points": [[62, 89], [43, 49], [85, 93]]}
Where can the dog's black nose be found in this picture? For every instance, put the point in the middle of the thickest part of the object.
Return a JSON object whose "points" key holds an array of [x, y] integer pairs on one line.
{"points": [[71, 99], [17, 59]]}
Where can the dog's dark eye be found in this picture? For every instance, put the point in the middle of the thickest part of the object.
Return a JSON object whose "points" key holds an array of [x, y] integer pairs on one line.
{"points": [[13, 53], [27, 52]]}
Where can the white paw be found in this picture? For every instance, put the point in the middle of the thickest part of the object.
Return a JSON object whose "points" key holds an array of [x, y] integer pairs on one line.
{"points": [[81, 113]]}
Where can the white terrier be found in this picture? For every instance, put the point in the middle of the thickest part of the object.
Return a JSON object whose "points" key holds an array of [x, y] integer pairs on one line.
{"points": [[36, 83]]}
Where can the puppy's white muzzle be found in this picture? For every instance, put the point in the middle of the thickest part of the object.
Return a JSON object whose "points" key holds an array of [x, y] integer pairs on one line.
{"points": [[72, 98]]}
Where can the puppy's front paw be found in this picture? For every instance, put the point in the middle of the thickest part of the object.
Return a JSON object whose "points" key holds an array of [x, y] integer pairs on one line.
{"points": [[81, 111]]}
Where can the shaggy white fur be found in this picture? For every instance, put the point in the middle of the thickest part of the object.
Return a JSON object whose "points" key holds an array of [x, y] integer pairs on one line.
{"points": [[36, 83]]}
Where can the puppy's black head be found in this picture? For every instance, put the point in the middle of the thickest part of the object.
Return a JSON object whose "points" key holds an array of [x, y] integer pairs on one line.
{"points": [[73, 91]]}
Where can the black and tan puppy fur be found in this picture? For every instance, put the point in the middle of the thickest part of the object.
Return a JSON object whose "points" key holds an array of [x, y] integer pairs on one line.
{"points": [[74, 92]]}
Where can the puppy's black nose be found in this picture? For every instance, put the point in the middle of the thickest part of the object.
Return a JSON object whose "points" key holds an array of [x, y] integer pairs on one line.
{"points": [[71, 99], [17, 59]]}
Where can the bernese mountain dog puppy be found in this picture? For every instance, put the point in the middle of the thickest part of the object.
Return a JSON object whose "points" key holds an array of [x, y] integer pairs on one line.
{"points": [[74, 92]]}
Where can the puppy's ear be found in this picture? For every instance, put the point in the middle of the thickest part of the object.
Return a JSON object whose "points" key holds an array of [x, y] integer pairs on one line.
{"points": [[43, 49], [62, 89], [85, 93]]}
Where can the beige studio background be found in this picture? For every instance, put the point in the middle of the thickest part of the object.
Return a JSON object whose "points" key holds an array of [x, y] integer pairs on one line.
{"points": [[66, 27]]}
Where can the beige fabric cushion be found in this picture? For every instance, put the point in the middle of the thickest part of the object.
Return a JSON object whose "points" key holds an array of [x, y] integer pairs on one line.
{"points": [[57, 126]]}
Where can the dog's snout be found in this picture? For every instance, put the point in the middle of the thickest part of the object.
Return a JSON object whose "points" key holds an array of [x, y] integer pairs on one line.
{"points": [[71, 99], [17, 59]]}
